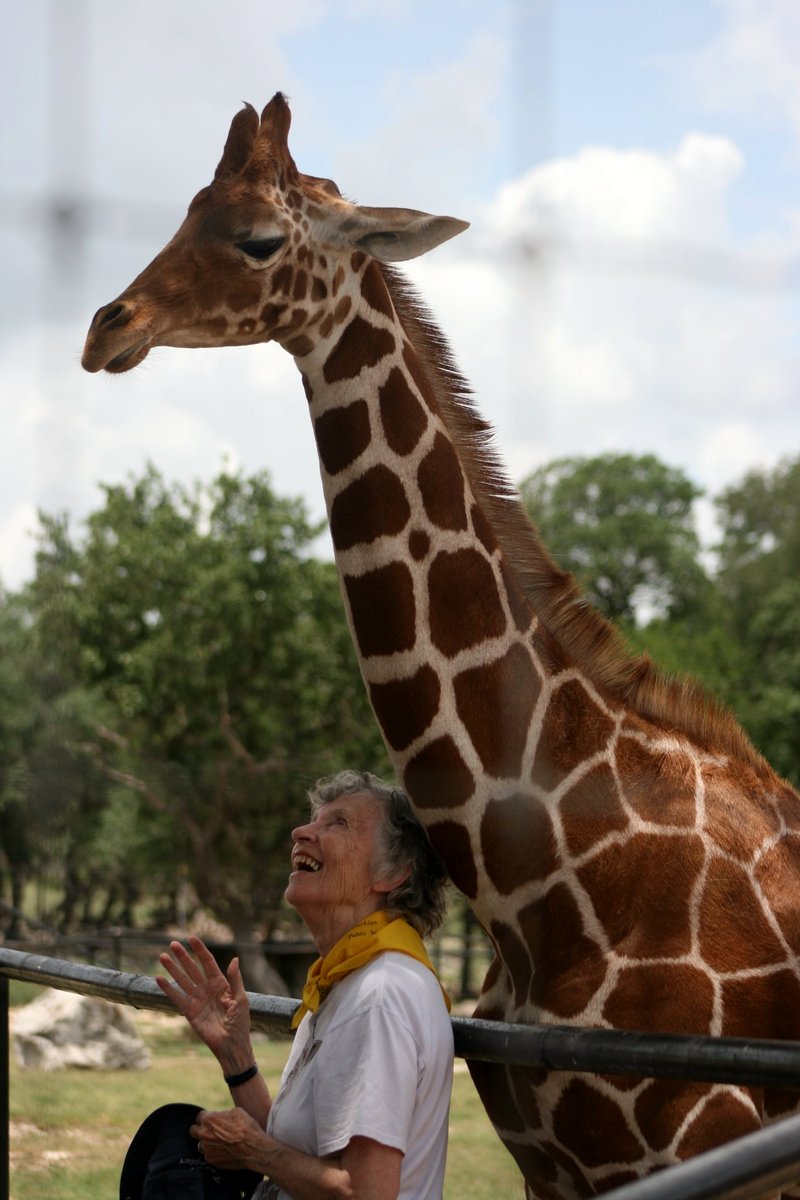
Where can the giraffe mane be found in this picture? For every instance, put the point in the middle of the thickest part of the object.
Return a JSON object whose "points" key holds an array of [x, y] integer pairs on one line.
{"points": [[582, 634]]}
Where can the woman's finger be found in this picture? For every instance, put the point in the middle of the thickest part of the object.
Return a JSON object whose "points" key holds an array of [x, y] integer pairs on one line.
{"points": [[181, 977], [205, 958]]}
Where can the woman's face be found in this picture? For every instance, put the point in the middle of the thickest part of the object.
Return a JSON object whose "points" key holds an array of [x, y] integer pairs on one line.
{"points": [[333, 860]]}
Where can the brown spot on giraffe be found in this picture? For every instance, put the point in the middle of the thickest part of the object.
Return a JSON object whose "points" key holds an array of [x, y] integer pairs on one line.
{"points": [[725, 1117], [270, 315], [495, 703], [588, 1122], [438, 777], [662, 998], [483, 530], [300, 286], [343, 434], [343, 308], [373, 506], [441, 485], [299, 346], [376, 293], [660, 787], [517, 843], [283, 279], [765, 1007], [402, 416], [575, 728], [570, 966], [383, 609], [463, 581], [775, 874], [519, 606], [641, 891], [361, 345], [406, 707], [734, 817], [417, 372], [592, 809], [734, 933], [451, 839]]}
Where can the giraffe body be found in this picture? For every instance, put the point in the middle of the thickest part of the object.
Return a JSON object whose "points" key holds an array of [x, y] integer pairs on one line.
{"points": [[635, 863]]}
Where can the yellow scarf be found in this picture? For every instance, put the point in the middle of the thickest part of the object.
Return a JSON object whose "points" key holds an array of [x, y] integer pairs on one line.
{"points": [[374, 935]]}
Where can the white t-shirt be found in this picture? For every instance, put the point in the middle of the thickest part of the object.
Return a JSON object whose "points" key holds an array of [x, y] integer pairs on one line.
{"points": [[375, 1061]]}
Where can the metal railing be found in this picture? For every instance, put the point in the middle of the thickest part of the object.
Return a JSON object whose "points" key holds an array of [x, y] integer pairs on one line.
{"points": [[741, 1170]]}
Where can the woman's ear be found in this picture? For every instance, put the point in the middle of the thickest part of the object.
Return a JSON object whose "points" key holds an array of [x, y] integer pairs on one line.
{"points": [[398, 877]]}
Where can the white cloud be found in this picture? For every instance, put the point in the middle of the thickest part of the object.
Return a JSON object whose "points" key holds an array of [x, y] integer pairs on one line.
{"points": [[751, 65], [608, 334], [603, 192]]}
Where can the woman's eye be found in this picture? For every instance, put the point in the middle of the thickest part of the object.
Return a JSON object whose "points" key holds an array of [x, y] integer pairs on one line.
{"points": [[260, 248]]}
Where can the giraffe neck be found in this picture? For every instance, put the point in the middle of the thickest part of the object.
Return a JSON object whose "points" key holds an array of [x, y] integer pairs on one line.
{"points": [[447, 643]]}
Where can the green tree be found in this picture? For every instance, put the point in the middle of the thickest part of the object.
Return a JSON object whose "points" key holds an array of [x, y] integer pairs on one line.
{"points": [[213, 649], [49, 793], [17, 725], [759, 557], [623, 525]]}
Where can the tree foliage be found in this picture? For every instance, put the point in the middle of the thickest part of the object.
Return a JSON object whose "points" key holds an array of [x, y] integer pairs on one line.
{"points": [[206, 658], [623, 525], [760, 587]]}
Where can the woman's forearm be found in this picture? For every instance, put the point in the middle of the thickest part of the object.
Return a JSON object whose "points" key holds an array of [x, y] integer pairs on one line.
{"points": [[365, 1170], [254, 1098]]}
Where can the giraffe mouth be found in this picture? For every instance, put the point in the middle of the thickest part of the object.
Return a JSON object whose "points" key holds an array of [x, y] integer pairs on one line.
{"points": [[128, 358]]}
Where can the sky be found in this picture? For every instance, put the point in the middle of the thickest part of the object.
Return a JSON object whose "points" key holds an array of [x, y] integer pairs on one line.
{"points": [[629, 281]]}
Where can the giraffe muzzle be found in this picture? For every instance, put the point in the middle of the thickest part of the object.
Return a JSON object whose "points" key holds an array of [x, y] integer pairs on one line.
{"points": [[112, 344]]}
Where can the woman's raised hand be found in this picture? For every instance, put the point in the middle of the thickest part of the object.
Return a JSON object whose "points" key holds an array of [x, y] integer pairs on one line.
{"points": [[215, 1005]]}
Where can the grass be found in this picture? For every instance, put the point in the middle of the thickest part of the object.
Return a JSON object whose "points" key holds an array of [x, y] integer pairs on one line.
{"points": [[70, 1129]]}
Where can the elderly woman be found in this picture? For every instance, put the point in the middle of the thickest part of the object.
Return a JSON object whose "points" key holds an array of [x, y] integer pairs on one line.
{"points": [[362, 1107]]}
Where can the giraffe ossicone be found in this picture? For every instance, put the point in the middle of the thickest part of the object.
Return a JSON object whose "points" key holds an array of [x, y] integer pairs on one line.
{"points": [[635, 862]]}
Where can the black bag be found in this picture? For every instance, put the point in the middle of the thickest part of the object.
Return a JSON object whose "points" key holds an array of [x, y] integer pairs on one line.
{"points": [[164, 1163]]}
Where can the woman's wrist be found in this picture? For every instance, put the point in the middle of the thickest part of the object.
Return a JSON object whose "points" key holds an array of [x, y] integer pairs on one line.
{"points": [[240, 1077], [235, 1059]]}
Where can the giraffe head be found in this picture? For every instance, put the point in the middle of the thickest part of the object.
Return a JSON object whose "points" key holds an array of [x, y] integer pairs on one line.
{"points": [[262, 255]]}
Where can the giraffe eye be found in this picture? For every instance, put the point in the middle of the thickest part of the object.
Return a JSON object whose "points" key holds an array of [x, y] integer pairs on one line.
{"points": [[260, 248]]}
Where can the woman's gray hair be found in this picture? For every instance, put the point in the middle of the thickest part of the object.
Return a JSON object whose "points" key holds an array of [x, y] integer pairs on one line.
{"points": [[421, 898]]}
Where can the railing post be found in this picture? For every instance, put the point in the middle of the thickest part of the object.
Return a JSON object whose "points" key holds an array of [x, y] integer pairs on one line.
{"points": [[5, 1083]]}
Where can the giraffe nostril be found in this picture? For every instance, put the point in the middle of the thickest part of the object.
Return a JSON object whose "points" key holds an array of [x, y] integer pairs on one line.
{"points": [[112, 316]]}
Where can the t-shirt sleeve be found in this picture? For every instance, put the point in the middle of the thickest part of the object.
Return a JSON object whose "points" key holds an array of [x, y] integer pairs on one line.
{"points": [[366, 1082]]}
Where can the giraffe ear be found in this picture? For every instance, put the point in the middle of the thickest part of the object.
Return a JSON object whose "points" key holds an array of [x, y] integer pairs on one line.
{"points": [[239, 143], [397, 234]]}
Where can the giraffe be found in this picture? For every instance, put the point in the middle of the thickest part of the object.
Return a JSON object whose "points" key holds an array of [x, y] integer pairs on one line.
{"points": [[634, 861]]}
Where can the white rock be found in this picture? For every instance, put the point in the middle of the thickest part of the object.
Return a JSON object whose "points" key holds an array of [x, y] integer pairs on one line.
{"points": [[63, 1029]]}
